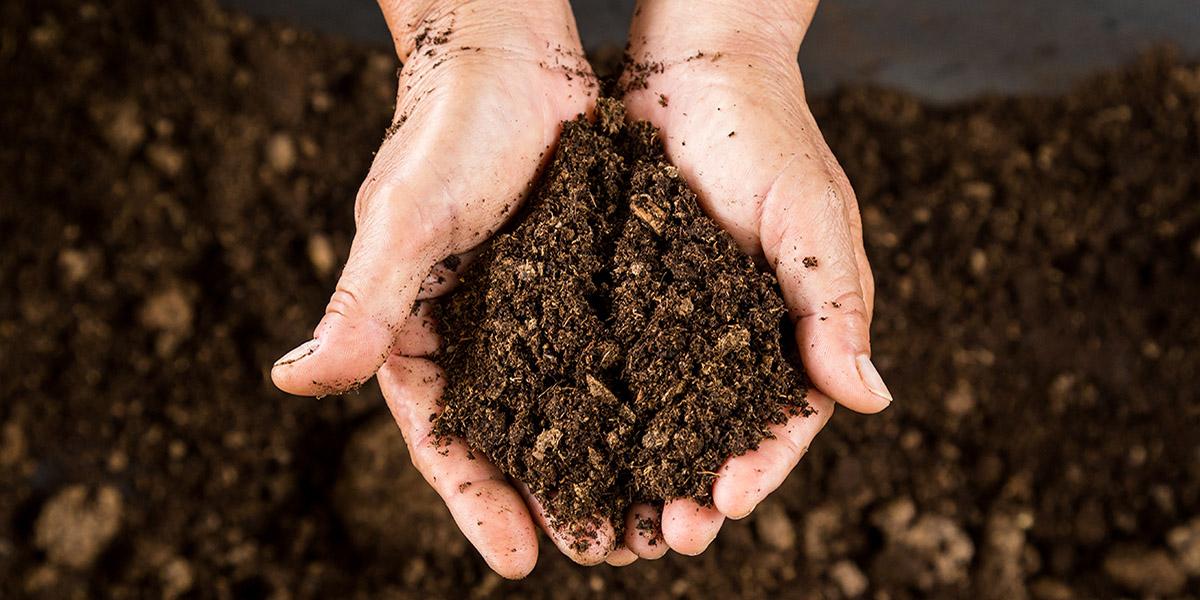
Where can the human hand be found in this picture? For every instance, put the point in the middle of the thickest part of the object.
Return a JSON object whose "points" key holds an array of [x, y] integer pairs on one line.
{"points": [[484, 89], [721, 82]]}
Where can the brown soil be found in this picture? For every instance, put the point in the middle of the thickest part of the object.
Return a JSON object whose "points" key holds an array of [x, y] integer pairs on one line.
{"points": [[616, 346], [176, 191]]}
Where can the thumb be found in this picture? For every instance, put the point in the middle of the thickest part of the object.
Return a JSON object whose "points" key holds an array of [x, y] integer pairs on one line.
{"points": [[389, 258], [826, 284]]}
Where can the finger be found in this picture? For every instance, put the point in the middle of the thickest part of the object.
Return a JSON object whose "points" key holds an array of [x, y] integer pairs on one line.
{"points": [[490, 513], [745, 480], [587, 543], [445, 274], [389, 258], [418, 336], [643, 531], [689, 528], [807, 237], [621, 557]]}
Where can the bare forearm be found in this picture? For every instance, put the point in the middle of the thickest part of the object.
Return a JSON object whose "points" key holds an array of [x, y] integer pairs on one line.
{"points": [[520, 25]]}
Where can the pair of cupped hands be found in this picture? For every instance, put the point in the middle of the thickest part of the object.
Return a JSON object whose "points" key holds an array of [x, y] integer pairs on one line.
{"points": [[485, 87]]}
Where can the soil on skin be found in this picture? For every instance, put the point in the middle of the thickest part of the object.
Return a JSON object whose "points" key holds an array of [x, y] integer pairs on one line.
{"points": [[616, 346], [176, 198]]}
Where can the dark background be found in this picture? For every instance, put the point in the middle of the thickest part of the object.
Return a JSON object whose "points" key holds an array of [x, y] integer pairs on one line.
{"points": [[938, 49]]}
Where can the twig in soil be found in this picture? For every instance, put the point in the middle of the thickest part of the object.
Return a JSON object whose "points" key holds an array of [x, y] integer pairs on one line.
{"points": [[644, 208]]}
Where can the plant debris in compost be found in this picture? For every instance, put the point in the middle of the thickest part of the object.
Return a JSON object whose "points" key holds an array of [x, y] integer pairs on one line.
{"points": [[615, 345]]}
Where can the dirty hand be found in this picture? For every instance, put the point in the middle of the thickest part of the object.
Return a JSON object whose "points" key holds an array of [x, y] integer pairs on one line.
{"points": [[730, 103], [484, 88]]}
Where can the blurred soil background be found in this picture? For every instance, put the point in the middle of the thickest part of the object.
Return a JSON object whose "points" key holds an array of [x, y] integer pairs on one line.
{"points": [[176, 184]]}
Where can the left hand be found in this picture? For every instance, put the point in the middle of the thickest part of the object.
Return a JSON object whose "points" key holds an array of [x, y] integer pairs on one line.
{"points": [[729, 102]]}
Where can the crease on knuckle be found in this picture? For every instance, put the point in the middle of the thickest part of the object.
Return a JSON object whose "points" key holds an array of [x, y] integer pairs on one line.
{"points": [[368, 196], [773, 232], [851, 303], [793, 451], [344, 301], [467, 485], [421, 442]]}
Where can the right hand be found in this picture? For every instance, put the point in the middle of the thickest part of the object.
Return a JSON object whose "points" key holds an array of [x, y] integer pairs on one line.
{"points": [[482, 95]]}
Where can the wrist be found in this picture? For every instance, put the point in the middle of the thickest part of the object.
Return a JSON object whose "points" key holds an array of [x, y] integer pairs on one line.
{"points": [[671, 30], [525, 26]]}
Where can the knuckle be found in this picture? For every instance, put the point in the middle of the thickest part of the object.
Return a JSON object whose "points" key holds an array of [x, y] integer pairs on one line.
{"points": [[868, 287], [791, 449], [368, 196], [850, 303], [422, 216], [345, 301], [420, 449]]}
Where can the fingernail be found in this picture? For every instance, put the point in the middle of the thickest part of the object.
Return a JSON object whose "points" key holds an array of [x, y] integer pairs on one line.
{"points": [[871, 379], [298, 353]]}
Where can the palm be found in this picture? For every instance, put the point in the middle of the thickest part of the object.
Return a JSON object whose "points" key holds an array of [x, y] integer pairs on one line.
{"points": [[740, 132]]}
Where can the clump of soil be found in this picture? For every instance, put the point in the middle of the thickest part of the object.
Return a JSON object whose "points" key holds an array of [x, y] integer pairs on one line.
{"points": [[616, 345]]}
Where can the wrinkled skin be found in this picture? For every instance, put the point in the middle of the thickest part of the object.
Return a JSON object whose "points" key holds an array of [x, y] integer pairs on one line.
{"points": [[478, 112]]}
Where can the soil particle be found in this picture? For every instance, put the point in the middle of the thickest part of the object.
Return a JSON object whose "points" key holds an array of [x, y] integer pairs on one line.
{"points": [[1143, 570], [894, 517], [1185, 541], [960, 400], [75, 265], [121, 125], [281, 153], [635, 75], [432, 36], [932, 552], [77, 524], [849, 579], [1001, 573], [12, 445], [168, 159], [636, 348], [321, 254], [1050, 589], [170, 313], [773, 526], [823, 532], [177, 578]]}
